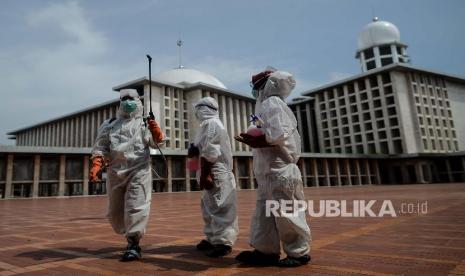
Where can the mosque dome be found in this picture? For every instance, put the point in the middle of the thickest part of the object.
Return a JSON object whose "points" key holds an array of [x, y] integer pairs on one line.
{"points": [[185, 75], [378, 33]]}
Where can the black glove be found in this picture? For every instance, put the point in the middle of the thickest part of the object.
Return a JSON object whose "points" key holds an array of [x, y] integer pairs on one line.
{"points": [[193, 151]]}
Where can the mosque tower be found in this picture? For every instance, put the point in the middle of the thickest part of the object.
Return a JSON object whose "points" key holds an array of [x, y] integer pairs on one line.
{"points": [[379, 45]]}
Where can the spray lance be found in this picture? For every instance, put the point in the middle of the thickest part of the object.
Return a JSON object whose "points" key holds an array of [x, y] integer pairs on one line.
{"points": [[152, 117]]}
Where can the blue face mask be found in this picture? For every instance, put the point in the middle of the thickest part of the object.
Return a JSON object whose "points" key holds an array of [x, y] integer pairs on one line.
{"points": [[128, 106], [255, 93]]}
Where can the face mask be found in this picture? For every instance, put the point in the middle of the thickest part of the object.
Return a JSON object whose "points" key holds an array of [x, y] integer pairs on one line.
{"points": [[255, 93], [128, 106]]}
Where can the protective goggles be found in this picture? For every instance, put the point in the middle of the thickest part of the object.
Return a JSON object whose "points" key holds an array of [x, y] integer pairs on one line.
{"points": [[211, 107], [259, 80], [125, 98]]}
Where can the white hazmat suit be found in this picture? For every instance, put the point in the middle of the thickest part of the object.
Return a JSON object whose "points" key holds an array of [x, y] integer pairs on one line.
{"points": [[276, 172], [219, 203], [124, 142]]}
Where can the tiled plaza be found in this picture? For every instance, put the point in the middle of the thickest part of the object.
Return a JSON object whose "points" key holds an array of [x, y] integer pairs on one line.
{"points": [[57, 236]]}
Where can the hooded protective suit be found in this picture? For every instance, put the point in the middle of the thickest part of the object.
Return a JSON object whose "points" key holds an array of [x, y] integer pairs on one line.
{"points": [[219, 203], [124, 143], [276, 172]]}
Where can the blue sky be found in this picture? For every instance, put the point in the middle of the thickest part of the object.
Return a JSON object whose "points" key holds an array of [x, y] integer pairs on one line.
{"points": [[57, 57]]}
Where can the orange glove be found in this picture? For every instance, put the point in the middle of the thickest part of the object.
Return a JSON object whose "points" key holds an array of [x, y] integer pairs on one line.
{"points": [[206, 176], [97, 165], [154, 128]]}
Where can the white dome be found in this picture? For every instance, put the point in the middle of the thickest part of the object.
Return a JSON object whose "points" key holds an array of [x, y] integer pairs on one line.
{"points": [[180, 75], [378, 33]]}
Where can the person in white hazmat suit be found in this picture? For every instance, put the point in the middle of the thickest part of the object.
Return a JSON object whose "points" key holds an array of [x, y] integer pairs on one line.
{"points": [[123, 144], [275, 154], [218, 203]]}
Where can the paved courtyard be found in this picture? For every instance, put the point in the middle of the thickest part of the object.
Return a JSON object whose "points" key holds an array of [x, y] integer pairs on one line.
{"points": [[71, 236]]}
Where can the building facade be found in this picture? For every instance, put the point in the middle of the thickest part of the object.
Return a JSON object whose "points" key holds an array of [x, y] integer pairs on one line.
{"points": [[393, 123]]}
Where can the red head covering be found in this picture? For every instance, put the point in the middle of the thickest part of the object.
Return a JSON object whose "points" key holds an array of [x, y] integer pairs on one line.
{"points": [[260, 79]]}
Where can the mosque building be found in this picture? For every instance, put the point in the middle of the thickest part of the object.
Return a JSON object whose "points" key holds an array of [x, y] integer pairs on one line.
{"points": [[393, 123]]}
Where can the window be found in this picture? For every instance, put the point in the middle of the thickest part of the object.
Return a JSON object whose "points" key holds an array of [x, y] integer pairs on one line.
{"points": [[353, 108], [371, 148], [386, 61], [395, 132], [390, 100], [363, 96], [368, 53], [385, 50], [366, 116], [371, 65], [398, 146], [386, 77], [373, 81], [388, 90], [350, 88], [380, 124]]}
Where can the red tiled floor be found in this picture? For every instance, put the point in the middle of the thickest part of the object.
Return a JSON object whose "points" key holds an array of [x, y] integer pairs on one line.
{"points": [[72, 236]]}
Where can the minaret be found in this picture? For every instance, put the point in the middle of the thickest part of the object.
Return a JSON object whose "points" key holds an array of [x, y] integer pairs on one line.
{"points": [[379, 45]]}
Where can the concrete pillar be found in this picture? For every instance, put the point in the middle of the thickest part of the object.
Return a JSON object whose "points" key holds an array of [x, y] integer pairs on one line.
{"points": [[315, 172], [188, 177], [304, 172], [378, 176], [251, 176], [419, 173], [368, 172], [9, 176], [449, 171], [35, 181], [231, 124], [326, 172], [347, 172], [169, 180], [337, 171], [61, 177], [357, 172], [85, 175], [244, 118], [236, 173]]}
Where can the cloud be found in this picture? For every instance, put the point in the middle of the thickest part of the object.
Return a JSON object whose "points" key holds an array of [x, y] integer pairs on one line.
{"points": [[66, 69], [235, 74]]}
